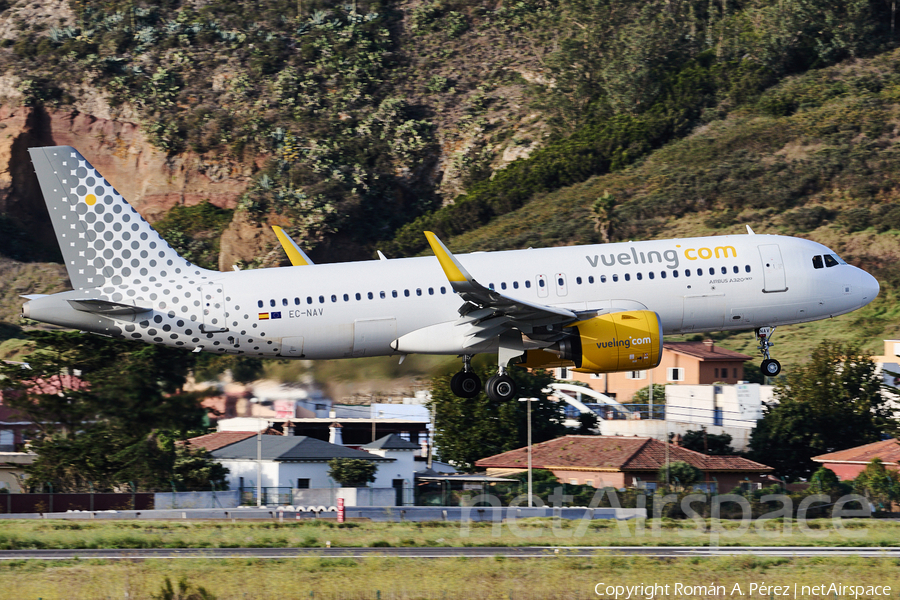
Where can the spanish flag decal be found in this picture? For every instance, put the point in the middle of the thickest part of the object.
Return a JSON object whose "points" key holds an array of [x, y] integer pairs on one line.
{"points": [[263, 316]]}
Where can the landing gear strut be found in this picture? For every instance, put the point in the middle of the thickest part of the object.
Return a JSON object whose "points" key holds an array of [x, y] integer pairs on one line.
{"points": [[769, 366], [465, 384]]}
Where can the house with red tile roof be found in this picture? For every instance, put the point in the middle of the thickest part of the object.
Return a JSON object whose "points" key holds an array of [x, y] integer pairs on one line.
{"points": [[847, 464], [623, 462], [691, 363]]}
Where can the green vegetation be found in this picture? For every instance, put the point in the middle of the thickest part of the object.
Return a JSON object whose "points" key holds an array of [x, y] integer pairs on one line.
{"points": [[116, 422], [467, 429], [194, 232], [666, 531], [478, 579], [834, 402], [352, 472]]}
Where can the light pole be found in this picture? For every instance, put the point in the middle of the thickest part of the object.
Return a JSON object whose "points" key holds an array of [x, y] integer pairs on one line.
{"points": [[528, 401]]}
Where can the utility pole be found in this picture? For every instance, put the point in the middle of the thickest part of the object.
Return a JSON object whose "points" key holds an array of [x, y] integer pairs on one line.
{"points": [[528, 401]]}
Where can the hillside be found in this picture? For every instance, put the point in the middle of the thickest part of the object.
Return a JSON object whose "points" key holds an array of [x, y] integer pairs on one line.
{"points": [[544, 122]]}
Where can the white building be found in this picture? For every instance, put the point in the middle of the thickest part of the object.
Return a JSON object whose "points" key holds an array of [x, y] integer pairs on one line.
{"points": [[731, 409], [292, 462]]}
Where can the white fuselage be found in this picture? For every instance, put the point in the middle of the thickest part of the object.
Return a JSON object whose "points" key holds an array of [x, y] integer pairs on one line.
{"points": [[360, 308]]}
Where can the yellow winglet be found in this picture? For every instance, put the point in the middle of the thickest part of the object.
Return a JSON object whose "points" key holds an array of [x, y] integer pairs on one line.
{"points": [[452, 269], [298, 257]]}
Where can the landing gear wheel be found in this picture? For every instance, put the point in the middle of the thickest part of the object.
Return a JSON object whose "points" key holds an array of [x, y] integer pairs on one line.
{"points": [[770, 367], [465, 384], [500, 388]]}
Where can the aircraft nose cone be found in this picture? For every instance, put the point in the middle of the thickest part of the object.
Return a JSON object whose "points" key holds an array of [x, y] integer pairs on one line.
{"points": [[869, 287]]}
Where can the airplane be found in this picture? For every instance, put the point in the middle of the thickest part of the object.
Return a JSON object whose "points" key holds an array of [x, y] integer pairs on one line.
{"points": [[595, 308]]}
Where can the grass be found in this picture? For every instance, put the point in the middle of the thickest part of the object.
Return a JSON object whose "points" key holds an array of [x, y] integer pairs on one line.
{"points": [[29, 534], [398, 578]]}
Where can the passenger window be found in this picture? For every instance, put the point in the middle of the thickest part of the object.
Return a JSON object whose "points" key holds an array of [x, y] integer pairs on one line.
{"points": [[651, 275], [502, 285], [346, 297], [528, 283], [321, 299], [674, 273], [700, 272], [830, 261], [443, 290], [491, 286], [418, 291], [639, 276], [735, 269], [393, 293], [591, 279], [260, 303], [272, 303], [560, 282], [371, 296], [515, 285], [309, 299], [712, 271], [382, 294], [817, 262], [687, 272], [284, 302], [615, 278], [627, 276], [541, 282], [296, 301], [747, 268], [358, 296], [724, 270], [578, 280], [431, 291], [334, 298], [406, 293], [603, 279]]}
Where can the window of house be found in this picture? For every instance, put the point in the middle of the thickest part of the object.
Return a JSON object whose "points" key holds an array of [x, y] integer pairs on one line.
{"points": [[303, 484], [716, 372], [636, 375], [573, 481], [675, 374], [589, 482]]}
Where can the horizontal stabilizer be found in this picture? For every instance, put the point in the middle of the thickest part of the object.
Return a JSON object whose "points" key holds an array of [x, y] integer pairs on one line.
{"points": [[107, 308]]}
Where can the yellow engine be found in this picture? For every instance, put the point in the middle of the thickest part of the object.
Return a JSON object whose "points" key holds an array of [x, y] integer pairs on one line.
{"points": [[622, 341]]}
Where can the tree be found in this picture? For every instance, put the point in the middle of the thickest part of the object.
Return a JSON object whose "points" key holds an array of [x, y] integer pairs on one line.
{"points": [[352, 472], [832, 403], [825, 481], [878, 485], [467, 429], [680, 473], [708, 443], [587, 424], [106, 413]]}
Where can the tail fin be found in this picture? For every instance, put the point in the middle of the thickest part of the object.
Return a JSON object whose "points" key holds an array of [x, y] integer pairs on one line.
{"points": [[104, 241]]}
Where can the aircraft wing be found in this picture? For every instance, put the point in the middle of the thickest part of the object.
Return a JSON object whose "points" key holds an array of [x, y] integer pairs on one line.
{"points": [[295, 253], [490, 313]]}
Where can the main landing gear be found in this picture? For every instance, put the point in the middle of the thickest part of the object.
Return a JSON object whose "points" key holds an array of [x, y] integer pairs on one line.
{"points": [[466, 384], [769, 366]]}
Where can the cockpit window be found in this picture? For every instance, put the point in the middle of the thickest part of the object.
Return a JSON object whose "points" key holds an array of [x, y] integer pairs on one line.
{"points": [[817, 262], [831, 261]]}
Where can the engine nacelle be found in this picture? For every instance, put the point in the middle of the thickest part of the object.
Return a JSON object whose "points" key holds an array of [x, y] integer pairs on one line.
{"points": [[622, 341]]}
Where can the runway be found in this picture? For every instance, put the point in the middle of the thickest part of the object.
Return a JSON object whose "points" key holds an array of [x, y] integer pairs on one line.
{"points": [[531, 552]]}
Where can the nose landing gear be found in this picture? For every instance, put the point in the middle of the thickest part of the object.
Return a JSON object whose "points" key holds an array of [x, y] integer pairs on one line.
{"points": [[769, 366]]}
